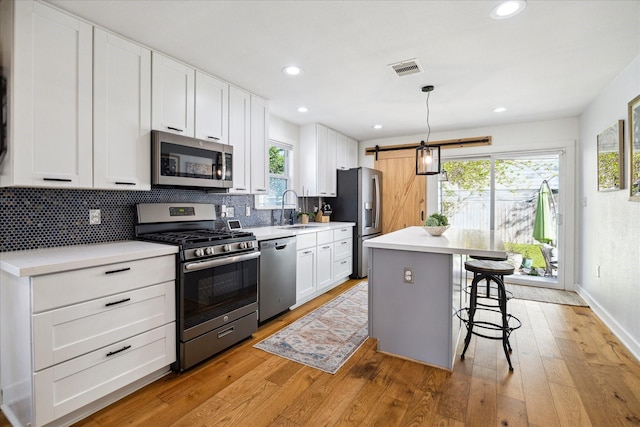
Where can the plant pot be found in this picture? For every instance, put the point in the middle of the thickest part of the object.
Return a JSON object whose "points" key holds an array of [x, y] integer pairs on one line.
{"points": [[304, 219], [515, 259], [527, 262]]}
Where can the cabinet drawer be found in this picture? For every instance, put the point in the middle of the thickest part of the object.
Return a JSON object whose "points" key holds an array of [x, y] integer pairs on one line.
{"points": [[68, 332], [70, 287], [325, 237], [342, 249], [342, 233], [342, 268], [68, 386], [305, 240]]}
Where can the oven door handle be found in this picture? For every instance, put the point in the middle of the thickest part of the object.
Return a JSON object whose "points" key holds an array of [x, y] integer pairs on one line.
{"points": [[201, 265]]}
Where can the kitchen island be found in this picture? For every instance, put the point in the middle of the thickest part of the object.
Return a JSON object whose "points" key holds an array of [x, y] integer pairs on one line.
{"points": [[413, 294]]}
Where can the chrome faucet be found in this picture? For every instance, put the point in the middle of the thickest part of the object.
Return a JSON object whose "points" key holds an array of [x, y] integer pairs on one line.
{"points": [[283, 199]]}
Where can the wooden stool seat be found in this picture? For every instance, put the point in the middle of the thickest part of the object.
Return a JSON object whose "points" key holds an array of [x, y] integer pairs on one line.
{"points": [[499, 268], [489, 258]]}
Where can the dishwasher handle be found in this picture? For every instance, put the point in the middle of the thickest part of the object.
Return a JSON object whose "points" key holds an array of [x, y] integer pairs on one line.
{"points": [[281, 247]]}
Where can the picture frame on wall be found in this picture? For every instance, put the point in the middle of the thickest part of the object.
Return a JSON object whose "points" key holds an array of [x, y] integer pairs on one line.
{"points": [[634, 149], [611, 157]]}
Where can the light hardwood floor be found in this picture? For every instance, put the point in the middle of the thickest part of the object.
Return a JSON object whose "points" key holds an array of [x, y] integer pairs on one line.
{"points": [[570, 370]]}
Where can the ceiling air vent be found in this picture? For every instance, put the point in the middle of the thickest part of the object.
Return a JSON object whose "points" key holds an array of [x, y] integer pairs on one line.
{"points": [[404, 68]]}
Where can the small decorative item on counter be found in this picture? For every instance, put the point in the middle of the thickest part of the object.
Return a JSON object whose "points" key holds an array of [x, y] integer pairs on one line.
{"points": [[304, 217], [436, 224], [323, 214]]}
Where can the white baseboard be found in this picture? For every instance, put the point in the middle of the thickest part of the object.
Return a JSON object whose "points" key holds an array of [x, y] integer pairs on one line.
{"points": [[627, 339]]}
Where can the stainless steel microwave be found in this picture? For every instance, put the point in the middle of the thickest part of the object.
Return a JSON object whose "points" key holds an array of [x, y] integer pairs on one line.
{"points": [[180, 161]]}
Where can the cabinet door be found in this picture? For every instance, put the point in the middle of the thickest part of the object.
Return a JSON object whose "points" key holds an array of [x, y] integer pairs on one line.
{"points": [[352, 153], [259, 145], [330, 170], [341, 152], [121, 113], [324, 259], [212, 108], [52, 129], [305, 273], [172, 96], [239, 138]]}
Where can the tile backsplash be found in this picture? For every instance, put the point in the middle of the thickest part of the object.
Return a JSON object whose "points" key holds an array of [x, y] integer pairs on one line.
{"points": [[32, 218]]}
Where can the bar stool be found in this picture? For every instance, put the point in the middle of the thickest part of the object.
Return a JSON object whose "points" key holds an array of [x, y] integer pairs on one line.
{"points": [[491, 271], [489, 288]]}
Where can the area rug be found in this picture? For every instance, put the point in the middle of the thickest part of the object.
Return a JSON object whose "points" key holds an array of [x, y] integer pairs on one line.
{"points": [[554, 296], [325, 338]]}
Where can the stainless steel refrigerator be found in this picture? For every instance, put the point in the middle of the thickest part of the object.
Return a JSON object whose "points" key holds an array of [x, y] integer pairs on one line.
{"points": [[359, 197]]}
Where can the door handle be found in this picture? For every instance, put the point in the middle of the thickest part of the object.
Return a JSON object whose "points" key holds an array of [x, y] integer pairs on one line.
{"points": [[421, 215]]}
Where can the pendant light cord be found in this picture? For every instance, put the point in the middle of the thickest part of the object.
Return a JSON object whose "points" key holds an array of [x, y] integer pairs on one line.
{"points": [[428, 127]]}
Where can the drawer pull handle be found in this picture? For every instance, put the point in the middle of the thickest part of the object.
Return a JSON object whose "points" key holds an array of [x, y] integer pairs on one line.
{"points": [[214, 138], [343, 243], [109, 304], [307, 252], [111, 353], [57, 179], [225, 333], [125, 183], [117, 271], [176, 129]]}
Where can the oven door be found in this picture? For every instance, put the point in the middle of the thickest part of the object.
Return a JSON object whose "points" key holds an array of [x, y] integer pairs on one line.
{"points": [[212, 293], [179, 161]]}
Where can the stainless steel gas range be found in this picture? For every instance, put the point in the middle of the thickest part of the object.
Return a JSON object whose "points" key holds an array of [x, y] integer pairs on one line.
{"points": [[217, 283]]}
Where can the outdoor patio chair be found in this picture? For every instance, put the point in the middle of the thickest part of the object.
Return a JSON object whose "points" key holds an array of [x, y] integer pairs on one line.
{"points": [[550, 255]]}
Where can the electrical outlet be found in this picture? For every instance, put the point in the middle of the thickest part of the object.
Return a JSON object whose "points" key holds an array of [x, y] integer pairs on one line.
{"points": [[408, 275], [231, 212], [247, 211], [223, 210], [94, 217]]}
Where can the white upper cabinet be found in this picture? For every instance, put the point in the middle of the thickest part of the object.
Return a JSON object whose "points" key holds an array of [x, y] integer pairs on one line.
{"points": [[50, 100], [259, 145], [240, 138], [121, 113], [352, 153], [212, 108], [341, 152], [317, 161], [173, 86], [328, 166]]}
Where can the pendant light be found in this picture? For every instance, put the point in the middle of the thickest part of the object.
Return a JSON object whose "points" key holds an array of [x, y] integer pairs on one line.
{"points": [[427, 157]]}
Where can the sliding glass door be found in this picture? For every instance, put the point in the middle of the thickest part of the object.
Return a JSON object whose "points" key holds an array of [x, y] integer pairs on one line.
{"points": [[517, 196]]}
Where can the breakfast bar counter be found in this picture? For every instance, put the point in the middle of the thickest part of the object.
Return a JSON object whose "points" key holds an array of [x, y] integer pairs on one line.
{"points": [[413, 294]]}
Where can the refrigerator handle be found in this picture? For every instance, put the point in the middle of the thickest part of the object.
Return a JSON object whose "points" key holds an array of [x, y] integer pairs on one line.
{"points": [[376, 182]]}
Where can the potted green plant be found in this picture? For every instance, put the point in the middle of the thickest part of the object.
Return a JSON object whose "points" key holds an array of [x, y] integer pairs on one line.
{"points": [[527, 261], [436, 224], [304, 217]]}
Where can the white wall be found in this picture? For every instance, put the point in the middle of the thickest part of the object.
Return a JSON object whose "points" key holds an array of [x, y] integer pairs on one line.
{"points": [[609, 223], [560, 134]]}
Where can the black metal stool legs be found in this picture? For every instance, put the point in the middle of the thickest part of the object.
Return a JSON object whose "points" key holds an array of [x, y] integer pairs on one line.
{"points": [[472, 312]]}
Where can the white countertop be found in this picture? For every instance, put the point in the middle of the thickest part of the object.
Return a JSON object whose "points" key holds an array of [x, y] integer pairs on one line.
{"points": [[453, 241], [277, 231], [52, 260]]}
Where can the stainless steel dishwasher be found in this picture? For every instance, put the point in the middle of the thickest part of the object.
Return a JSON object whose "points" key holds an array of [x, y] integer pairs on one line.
{"points": [[277, 284]]}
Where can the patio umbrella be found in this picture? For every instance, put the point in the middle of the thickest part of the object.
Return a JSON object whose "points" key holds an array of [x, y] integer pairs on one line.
{"points": [[543, 225]]}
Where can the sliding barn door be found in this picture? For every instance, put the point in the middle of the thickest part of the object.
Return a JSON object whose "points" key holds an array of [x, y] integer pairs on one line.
{"points": [[403, 192]]}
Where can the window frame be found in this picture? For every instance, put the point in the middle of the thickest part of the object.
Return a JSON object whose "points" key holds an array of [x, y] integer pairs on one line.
{"points": [[259, 199]]}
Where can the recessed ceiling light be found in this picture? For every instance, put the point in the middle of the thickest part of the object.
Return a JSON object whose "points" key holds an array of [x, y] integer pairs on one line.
{"points": [[499, 109], [507, 9], [302, 109], [377, 126], [292, 70]]}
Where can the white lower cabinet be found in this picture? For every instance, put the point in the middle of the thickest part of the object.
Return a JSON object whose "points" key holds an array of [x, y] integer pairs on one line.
{"points": [[305, 266], [68, 386], [84, 334], [324, 261]]}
